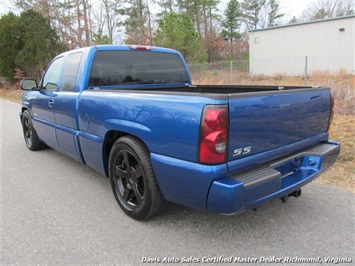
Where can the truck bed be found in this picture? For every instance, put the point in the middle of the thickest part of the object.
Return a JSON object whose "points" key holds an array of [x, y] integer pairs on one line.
{"points": [[261, 118]]}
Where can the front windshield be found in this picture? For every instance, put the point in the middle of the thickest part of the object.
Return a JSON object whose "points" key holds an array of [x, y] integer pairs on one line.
{"points": [[112, 68]]}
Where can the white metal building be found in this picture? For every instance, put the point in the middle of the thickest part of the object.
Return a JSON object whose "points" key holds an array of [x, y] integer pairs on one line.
{"points": [[323, 45]]}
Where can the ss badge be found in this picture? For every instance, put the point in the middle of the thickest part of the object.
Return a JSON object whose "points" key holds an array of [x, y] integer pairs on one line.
{"points": [[241, 151]]}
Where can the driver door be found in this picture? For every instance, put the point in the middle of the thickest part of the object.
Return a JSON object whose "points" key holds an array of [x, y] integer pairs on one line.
{"points": [[43, 103]]}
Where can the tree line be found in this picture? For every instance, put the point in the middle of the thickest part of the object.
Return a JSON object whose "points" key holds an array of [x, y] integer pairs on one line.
{"points": [[197, 28]]}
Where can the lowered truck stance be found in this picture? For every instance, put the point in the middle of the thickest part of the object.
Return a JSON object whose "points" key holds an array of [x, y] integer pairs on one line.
{"points": [[132, 114]]}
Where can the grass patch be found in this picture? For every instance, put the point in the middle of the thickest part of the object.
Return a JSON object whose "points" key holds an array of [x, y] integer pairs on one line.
{"points": [[13, 94], [342, 173], [341, 84]]}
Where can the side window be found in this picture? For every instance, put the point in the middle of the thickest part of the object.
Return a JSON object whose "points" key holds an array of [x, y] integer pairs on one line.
{"points": [[51, 77], [70, 72]]}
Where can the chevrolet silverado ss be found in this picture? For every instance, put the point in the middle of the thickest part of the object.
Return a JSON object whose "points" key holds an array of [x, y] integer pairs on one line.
{"points": [[132, 114]]}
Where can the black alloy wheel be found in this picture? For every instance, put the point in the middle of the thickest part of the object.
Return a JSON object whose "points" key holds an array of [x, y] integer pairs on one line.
{"points": [[27, 131], [31, 138], [129, 180], [133, 180]]}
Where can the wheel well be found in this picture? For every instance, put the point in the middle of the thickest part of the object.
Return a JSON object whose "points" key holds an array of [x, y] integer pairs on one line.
{"points": [[110, 138], [22, 110]]}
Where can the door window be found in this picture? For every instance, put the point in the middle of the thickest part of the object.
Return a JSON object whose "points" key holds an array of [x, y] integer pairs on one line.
{"points": [[50, 79]]}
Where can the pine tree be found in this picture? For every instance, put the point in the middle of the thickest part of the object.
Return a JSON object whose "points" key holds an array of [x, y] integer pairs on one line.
{"points": [[10, 45], [260, 13], [273, 13], [231, 24], [167, 6], [293, 20], [251, 10], [27, 44], [177, 32], [137, 28], [40, 44]]}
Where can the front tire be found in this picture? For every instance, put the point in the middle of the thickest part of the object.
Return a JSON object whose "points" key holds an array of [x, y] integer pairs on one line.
{"points": [[133, 180], [31, 138]]}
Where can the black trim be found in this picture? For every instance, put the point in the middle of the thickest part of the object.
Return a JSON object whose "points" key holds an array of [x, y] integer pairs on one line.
{"points": [[267, 172], [217, 92], [257, 176]]}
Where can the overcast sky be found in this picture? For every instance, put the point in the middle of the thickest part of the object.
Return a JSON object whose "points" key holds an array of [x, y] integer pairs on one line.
{"points": [[293, 8]]}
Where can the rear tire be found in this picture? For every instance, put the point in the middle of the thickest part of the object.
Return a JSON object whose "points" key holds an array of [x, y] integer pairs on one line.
{"points": [[133, 180], [31, 138]]}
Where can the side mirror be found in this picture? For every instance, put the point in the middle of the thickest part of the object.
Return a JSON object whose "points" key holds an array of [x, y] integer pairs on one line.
{"points": [[28, 84]]}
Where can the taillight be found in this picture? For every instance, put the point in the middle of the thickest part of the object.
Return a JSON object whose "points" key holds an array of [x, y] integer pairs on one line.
{"points": [[214, 134], [331, 113]]}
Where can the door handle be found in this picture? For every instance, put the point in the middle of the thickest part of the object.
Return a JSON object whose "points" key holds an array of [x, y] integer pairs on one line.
{"points": [[50, 103]]}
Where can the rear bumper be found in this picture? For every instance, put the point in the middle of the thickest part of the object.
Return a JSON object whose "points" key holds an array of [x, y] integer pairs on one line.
{"points": [[252, 188]]}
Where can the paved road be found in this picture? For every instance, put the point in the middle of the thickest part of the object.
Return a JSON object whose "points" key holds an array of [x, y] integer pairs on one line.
{"points": [[56, 211]]}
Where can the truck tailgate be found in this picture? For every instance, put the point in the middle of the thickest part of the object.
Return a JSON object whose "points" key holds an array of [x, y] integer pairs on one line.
{"points": [[264, 121]]}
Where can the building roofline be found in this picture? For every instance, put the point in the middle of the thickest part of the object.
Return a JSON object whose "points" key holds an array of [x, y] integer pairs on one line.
{"points": [[303, 23]]}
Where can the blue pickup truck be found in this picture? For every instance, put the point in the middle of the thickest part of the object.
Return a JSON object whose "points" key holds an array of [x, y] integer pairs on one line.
{"points": [[132, 114]]}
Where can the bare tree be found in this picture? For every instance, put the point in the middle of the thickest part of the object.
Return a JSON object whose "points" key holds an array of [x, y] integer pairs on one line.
{"points": [[323, 9], [111, 12], [70, 18]]}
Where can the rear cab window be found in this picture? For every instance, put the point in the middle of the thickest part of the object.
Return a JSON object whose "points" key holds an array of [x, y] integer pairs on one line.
{"points": [[114, 68], [70, 72]]}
